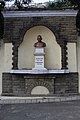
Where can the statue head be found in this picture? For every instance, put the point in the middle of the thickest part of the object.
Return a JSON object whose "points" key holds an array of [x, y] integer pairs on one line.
{"points": [[39, 38], [40, 43]]}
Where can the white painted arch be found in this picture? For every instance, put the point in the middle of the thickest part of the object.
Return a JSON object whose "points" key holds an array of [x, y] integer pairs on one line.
{"points": [[39, 90]]}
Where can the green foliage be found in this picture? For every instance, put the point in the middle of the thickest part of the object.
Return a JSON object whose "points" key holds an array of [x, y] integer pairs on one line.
{"points": [[58, 5], [65, 4], [75, 3], [26, 1], [51, 5], [2, 4], [55, 5], [21, 2]]}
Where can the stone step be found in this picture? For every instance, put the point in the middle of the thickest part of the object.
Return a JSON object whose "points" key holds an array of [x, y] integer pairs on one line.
{"points": [[14, 100]]}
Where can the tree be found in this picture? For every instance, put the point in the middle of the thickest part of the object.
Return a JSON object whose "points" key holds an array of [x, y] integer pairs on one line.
{"points": [[76, 3], [27, 1], [56, 5], [2, 4], [19, 3]]}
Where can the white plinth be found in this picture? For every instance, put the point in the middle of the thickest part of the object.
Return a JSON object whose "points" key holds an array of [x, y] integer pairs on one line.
{"points": [[39, 59], [39, 50]]}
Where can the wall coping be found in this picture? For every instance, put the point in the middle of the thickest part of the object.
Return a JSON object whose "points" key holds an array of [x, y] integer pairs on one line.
{"points": [[7, 14]]}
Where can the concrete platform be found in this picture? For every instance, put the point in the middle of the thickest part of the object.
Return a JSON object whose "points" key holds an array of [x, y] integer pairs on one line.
{"points": [[15, 100]]}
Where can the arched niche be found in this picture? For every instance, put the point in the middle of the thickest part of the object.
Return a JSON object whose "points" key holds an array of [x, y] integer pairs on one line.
{"points": [[39, 90], [26, 49]]}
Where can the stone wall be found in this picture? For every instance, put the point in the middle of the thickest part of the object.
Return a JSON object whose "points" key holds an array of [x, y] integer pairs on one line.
{"points": [[18, 23], [22, 84], [64, 27]]}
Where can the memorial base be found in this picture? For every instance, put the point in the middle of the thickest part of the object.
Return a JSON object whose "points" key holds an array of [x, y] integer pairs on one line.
{"points": [[39, 59], [39, 69], [24, 83]]}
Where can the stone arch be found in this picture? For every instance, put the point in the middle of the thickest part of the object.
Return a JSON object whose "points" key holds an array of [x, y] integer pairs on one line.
{"points": [[52, 47], [54, 29], [40, 83]]}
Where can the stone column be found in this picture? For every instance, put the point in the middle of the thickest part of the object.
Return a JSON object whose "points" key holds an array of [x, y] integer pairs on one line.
{"points": [[64, 55]]}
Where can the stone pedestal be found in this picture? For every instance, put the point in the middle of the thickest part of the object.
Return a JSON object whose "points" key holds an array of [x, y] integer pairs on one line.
{"points": [[24, 84], [39, 59]]}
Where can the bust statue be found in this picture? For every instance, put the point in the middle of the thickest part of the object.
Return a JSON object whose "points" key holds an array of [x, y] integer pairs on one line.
{"points": [[39, 44]]}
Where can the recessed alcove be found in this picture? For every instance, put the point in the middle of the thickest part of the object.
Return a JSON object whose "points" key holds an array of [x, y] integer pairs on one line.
{"points": [[52, 50]]}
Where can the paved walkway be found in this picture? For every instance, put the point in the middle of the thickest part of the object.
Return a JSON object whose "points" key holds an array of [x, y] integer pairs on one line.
{"points": [[14, 100], [69, 110]]}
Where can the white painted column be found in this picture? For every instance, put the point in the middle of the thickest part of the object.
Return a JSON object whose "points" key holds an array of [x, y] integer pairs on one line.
{"points": [[78, 59], [5, 60]]}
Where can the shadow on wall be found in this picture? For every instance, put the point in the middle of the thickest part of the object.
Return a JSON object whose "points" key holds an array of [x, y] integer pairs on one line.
{"points": [[1, 25], [78, 22]]}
